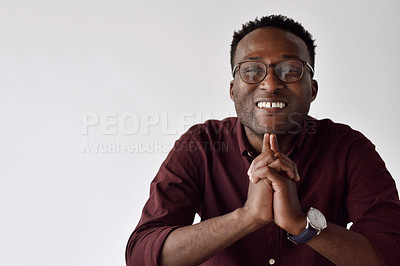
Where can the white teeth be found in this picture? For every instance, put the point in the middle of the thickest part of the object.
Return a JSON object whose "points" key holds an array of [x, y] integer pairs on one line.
{"points": [[271, 105]]}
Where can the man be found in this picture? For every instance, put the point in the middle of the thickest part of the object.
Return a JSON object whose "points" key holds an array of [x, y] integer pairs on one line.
{"points": [[265, 199]]}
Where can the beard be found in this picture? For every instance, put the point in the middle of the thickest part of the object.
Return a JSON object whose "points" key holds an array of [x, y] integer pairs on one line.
{"points": [[277, 123]]}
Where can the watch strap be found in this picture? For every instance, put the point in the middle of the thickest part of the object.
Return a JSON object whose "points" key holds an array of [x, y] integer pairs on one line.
{"points": [[304, 236]]}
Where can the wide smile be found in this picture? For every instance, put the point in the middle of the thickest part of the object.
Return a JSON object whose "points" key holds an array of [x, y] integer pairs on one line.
{"points": [[271, 106]]}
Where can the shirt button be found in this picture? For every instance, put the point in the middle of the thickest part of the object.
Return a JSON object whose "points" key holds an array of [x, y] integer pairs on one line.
{"points": [[271, 261]]}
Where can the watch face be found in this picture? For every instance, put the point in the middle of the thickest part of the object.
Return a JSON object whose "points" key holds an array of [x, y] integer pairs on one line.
{"points": [[317, 219]]}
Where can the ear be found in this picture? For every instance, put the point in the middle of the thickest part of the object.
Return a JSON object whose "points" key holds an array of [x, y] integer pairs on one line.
{"points": [[231, 94], [314, 88]]}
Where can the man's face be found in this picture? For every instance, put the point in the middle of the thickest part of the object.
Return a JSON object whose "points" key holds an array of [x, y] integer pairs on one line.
{"points": [[272, 45]]}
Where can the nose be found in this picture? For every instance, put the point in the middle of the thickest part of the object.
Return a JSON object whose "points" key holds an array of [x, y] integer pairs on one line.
{"points": [[271, 83]]}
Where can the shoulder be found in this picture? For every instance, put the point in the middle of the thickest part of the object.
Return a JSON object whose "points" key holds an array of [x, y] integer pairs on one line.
{"points": [[213, 129], [330, 131], [208, 136]]}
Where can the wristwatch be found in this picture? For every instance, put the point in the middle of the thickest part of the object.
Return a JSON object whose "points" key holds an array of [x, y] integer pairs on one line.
{"points": [[316, 222]]}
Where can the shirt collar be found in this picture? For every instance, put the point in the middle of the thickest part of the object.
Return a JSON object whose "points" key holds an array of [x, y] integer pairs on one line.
{"points": [[244, 145], [248, 151]]}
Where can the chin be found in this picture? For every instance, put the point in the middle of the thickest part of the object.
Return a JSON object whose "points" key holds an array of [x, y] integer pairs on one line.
{"points": [[273, 128], [260, 130]]}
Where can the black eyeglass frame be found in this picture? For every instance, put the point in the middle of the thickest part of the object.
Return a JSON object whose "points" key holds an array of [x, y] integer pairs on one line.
{"points": [[304, 63]]}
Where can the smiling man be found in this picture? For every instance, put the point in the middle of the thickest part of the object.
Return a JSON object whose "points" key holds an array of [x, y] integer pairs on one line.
{"points": [[287, 185], [275, 103]]}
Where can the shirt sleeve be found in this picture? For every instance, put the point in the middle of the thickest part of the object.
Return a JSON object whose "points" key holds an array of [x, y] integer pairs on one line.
{"points": [[174, 199], [372, 202]]}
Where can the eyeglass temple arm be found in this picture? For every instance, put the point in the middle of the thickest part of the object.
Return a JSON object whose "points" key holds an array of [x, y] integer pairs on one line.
{"points": [[234, 71], [310, 67]]}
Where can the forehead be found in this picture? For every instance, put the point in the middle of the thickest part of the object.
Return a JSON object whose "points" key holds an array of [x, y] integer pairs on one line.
{"points": [[271, 44]]}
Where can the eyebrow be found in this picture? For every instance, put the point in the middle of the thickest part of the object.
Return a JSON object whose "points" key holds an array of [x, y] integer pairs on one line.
{"points": [[253, 58], [285, 56]]}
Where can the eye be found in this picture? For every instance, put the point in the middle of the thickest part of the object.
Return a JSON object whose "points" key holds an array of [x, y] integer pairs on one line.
{"points": [[254, 69], [252, 72], [289, 70]]}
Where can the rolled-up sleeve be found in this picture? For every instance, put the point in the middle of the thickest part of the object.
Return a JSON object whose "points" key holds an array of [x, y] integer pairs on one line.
{"points": [[373, 204], [175, 197]]}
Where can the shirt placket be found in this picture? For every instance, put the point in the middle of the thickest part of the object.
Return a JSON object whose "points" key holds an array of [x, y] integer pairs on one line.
{"points": [[272, 245]]}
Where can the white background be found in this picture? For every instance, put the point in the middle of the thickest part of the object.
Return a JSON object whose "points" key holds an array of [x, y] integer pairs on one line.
{"points": [[64, 61]]}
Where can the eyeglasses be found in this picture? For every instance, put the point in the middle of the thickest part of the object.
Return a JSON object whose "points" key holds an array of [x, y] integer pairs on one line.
{"points": [[288, 71]]}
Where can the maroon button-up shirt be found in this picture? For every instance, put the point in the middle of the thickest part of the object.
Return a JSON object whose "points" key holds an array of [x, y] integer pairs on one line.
{"points": [[206, 173]]}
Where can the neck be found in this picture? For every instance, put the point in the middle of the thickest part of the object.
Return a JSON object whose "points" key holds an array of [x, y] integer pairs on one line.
{"points": [[285, 141]]}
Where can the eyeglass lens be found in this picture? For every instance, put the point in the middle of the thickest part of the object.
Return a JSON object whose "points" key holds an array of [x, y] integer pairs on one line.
{"points": [[286, 71]]}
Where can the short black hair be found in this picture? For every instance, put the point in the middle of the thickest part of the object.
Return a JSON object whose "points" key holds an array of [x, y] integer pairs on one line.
{"points": [[278, 21]]}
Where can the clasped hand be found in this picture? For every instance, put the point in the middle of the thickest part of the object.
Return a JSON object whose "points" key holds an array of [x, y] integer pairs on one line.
{"points": [[274, 198]]}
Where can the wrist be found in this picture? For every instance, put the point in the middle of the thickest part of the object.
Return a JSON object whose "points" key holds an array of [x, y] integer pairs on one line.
{"points": [[249, 219], [299, 225], [315, 223]]}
